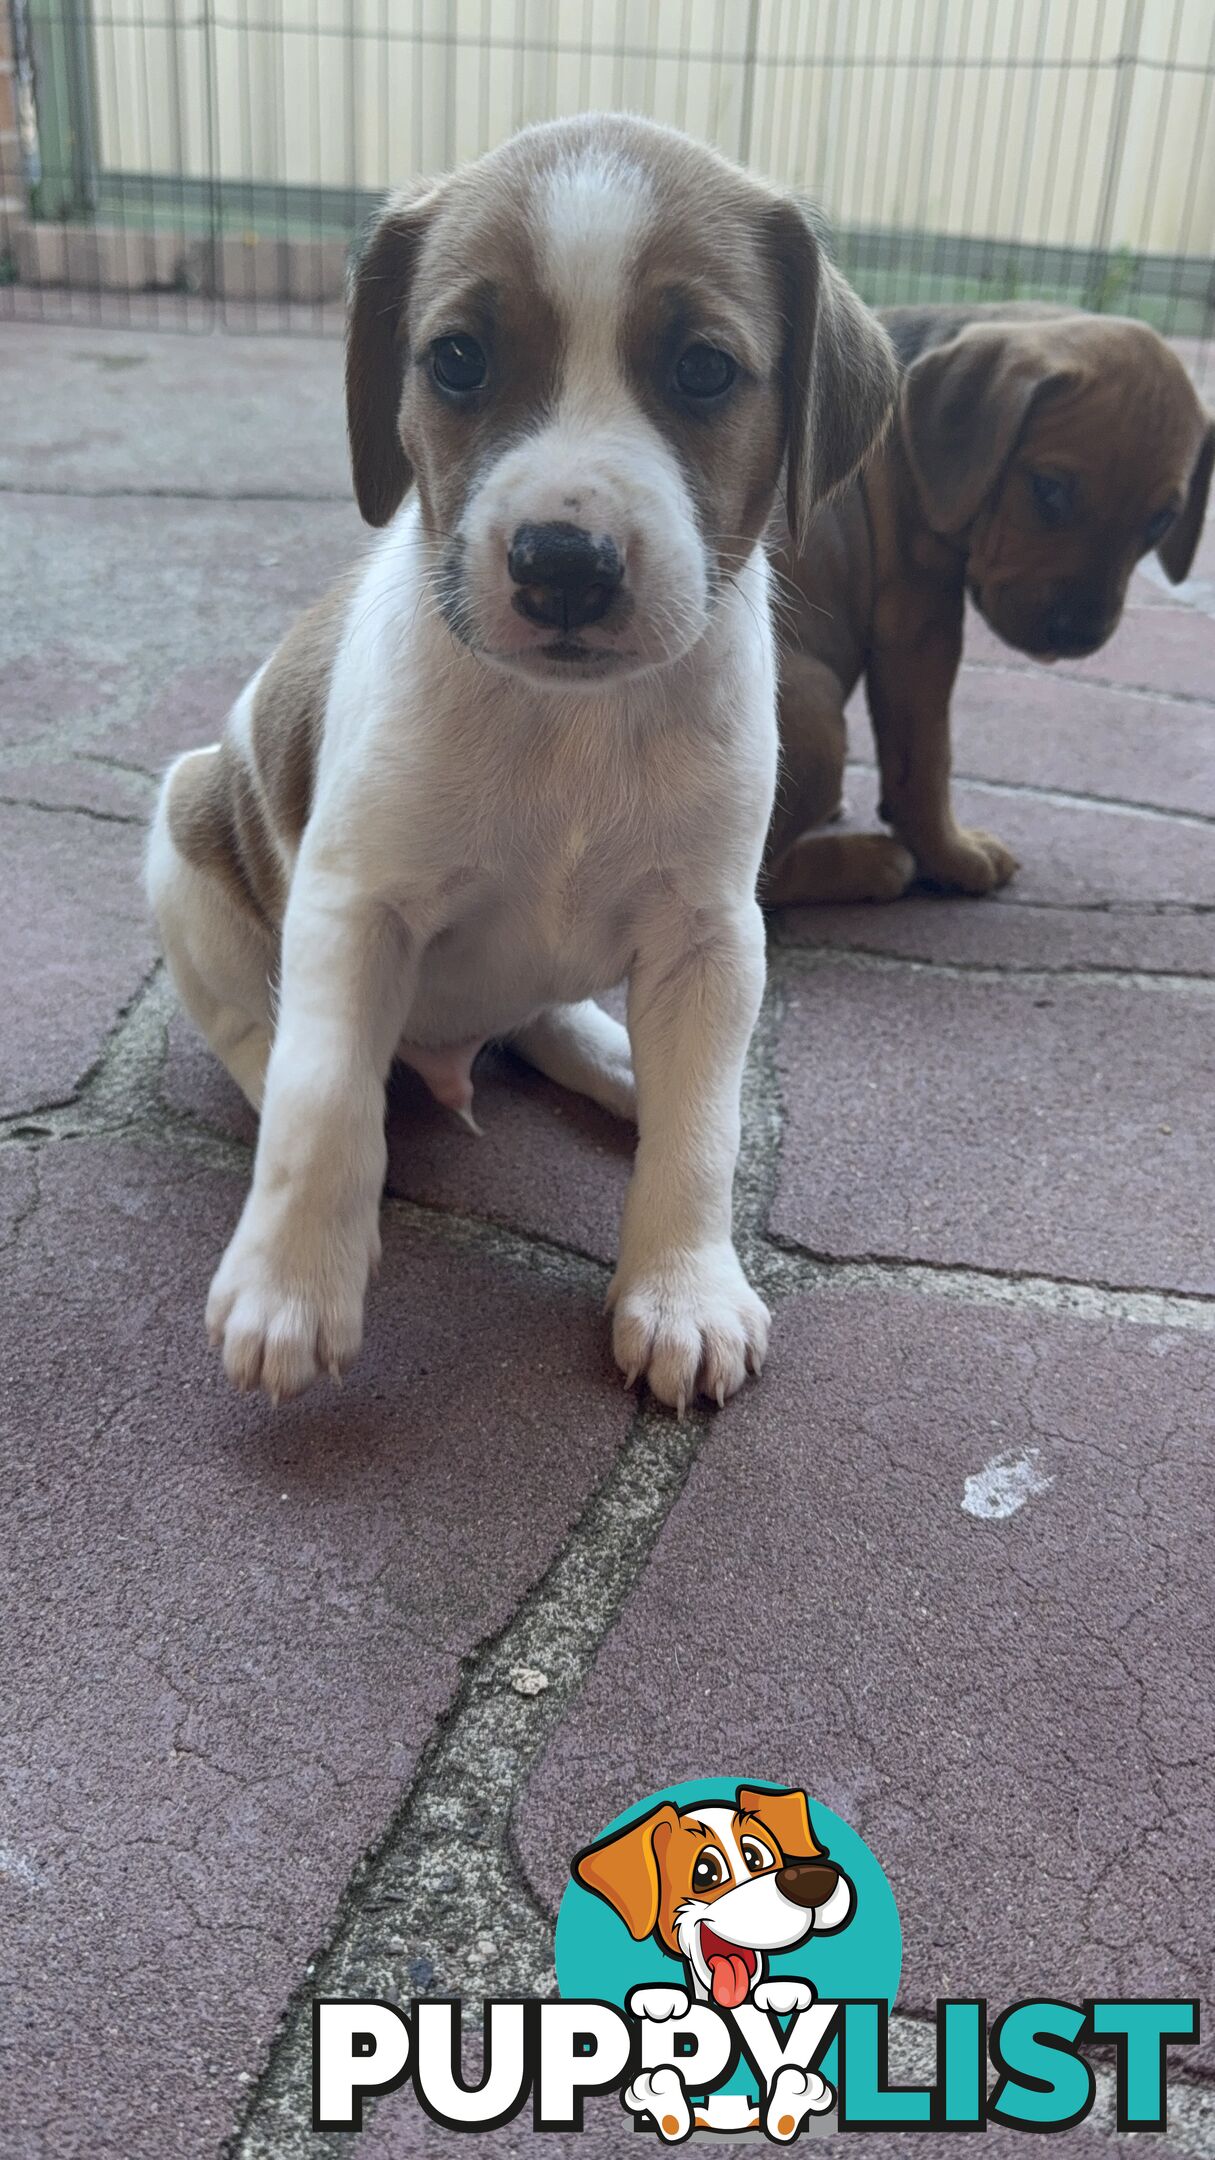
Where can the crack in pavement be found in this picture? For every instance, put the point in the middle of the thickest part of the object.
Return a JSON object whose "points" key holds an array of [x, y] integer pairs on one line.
{"points": [[414, 1915], [1097, 682], [169, 494], [70, 809], [802, 960], [1064, 798]]}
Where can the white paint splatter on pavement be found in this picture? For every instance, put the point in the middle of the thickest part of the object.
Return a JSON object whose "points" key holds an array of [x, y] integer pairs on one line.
{"points": [[19, 1869], [1005, 1484]]}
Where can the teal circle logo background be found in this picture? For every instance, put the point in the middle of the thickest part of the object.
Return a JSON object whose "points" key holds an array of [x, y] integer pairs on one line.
{"points": [[597, 1959]]}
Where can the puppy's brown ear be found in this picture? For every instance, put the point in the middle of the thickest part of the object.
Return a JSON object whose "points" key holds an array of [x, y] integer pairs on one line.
{"points": [[624, 1869], [840, 372], [376, 353], [786, 1815], [1176, 550], [963, 406]]}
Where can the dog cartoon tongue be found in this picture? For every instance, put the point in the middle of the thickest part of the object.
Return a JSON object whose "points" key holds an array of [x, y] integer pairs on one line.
{"points": [[730, 1977], [730, 1969]]}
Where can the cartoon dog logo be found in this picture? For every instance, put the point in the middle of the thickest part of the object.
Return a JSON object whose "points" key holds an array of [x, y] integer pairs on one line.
{"points": [[722, 1889]]}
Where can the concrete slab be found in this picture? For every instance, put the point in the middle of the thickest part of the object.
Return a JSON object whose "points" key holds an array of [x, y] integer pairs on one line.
{"points": [[1016, 1712], [1006, 1124], [1030, 727], [74, 912], [547, 1162], [1004, 932], [131, 625], [119, 410], [1098, 886], [228, 1632], [1156, 649]]}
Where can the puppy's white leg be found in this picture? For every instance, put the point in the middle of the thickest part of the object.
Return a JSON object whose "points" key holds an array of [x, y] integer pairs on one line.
{"points": [[685, 1316], [583, 1048], [287, 1299], [220, 956]]}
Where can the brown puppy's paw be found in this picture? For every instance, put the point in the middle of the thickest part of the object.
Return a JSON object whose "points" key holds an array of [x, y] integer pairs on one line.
{"points": [[971, 862], [842, 867]]}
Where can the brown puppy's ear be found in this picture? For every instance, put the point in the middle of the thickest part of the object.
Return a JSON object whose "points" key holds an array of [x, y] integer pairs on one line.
{"points": [[1176, 550], [963, 406], [840, 372], [787, 1816], [376, 352], [624, 1869]]}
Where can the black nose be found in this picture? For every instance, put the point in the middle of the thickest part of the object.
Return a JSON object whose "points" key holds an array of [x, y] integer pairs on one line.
{"points": [[1074, 629], [565, 577], [808, 1882]]}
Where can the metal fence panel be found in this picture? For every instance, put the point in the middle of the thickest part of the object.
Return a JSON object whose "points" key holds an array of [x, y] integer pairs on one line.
{"points": [[198, 162]]}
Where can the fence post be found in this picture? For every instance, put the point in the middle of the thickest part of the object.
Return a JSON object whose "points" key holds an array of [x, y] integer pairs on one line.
{"points": [[60, 37], [1124, 90], [746, 118]]}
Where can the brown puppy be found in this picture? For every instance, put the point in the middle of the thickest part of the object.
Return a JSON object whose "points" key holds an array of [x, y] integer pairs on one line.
{"points": [[1036, 456]]}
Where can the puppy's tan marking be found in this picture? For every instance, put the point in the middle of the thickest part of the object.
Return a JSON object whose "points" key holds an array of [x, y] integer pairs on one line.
{"points": [[218, 822], [288, 715]]}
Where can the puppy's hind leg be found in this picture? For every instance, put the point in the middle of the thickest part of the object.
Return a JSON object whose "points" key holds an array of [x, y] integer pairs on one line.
{"points": [[802, 863], [837, 866], [583, 1048], [220, 954]]}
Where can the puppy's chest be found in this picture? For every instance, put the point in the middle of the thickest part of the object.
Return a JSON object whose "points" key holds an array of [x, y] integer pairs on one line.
{"points": [[559, 903]]}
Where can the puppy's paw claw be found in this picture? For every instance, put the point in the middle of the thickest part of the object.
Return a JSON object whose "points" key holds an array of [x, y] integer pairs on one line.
{"points": [[691, 1324], [278, 1327]]}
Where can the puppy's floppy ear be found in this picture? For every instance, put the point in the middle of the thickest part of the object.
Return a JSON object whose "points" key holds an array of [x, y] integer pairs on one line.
{"points": [[963, 406], [624, 1869], [840, 372], [1176, 550], [786, 1815], [376, 353]]}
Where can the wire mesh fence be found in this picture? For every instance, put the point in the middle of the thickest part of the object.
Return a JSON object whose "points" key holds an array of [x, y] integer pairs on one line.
{"points": [[211, 161]]}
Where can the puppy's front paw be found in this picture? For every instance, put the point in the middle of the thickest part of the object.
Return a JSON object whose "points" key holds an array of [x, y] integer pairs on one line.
{"points": [[689, 1324], [971, 862], [283, 1314]]}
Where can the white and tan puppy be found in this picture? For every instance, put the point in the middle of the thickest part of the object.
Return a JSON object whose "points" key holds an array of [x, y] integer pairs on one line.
{"points": [[528, 748]]}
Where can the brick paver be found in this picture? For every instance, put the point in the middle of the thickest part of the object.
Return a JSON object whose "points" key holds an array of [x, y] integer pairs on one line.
{"points": [[1017, 1714], [74, 914], [1024, 1124], [229, 1633]]}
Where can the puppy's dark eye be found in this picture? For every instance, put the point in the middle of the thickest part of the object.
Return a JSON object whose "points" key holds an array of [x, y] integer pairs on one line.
{"points": [[459, 364], [709, 1871], [756, 1855], [1158, 526], [1053, 497], [704, 371]]}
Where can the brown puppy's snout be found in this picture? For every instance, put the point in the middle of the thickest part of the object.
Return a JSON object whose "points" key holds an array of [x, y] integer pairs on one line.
{"points": [[566, 577], [807, 1882], [1076, 626]]}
